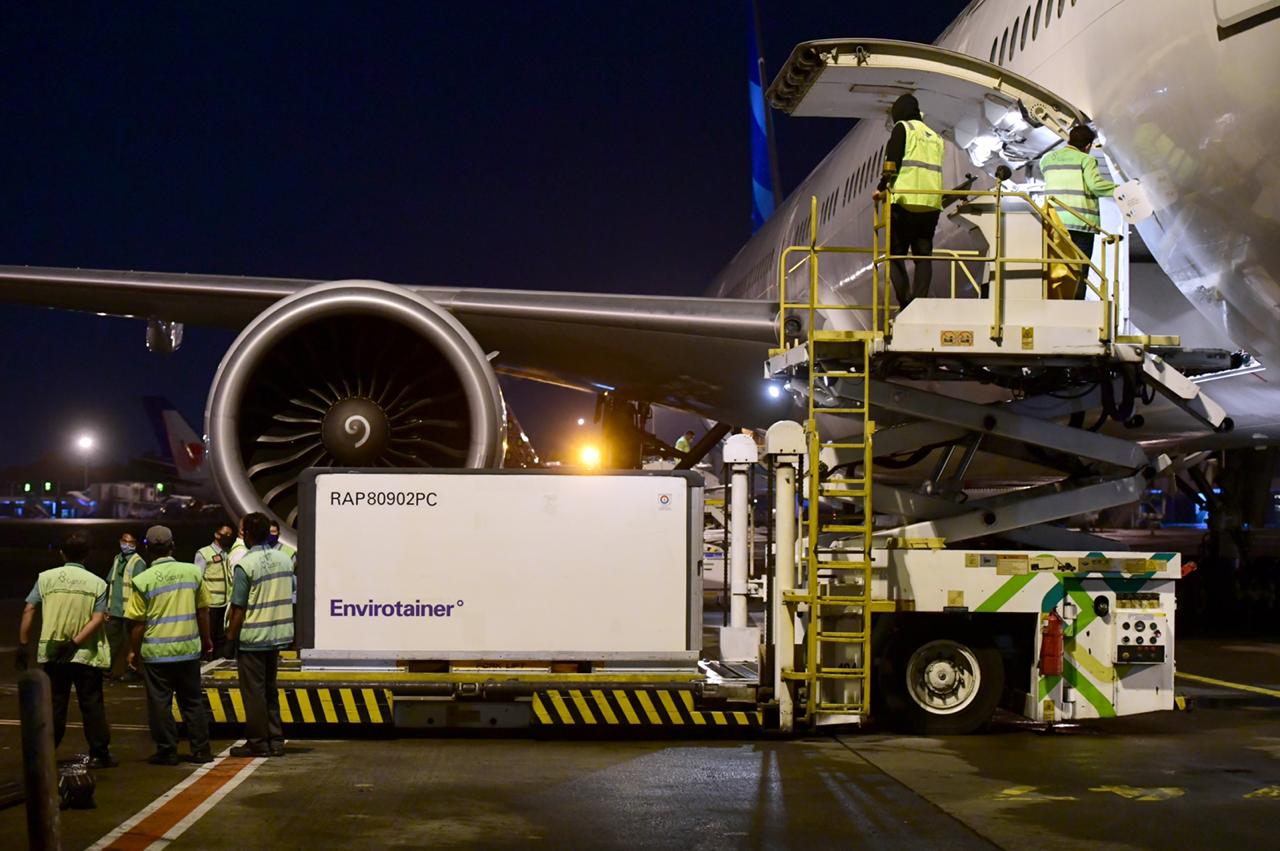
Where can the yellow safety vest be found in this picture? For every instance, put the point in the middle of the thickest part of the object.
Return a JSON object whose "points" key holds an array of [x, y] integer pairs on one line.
{"points": [[1068, 175], [119, 581], [268, 617], [166, 597], [919, 177], [217, 575], [68, 595]]}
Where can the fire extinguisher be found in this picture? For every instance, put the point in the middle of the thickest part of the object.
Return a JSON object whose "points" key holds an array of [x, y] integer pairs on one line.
{"points": [[1051, 646]]}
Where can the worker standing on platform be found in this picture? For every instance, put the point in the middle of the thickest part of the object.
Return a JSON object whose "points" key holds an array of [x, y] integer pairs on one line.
{"points": [[215, 566], [259, 627], [1071, 177], [685, 442], [73, 644], [274, 542], [913, 170], [169, 610], [119, 587]]}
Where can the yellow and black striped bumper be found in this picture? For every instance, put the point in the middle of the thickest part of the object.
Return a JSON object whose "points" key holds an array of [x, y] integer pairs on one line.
{"points": [[632, 708], [307, 706]]}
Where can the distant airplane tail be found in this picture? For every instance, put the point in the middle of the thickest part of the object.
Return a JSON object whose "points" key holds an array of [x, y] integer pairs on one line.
{"points": [[764, 155], [177, 439]]}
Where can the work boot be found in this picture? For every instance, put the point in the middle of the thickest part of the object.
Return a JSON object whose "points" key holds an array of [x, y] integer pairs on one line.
{"points": [[105, 760], [164, 758], [276, 749], [249, 751], [202, 755]]}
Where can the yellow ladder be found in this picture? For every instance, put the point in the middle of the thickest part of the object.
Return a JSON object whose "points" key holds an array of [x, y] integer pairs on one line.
{"points": [[837, 582]]}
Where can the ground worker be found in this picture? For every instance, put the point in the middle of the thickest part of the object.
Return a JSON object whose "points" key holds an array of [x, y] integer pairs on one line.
{"points": [[260, 625], [73, 644], [1072, 179], [119, 587], [214, 563], [169, 630], [273, 541], [913, 170], [685, 442]]}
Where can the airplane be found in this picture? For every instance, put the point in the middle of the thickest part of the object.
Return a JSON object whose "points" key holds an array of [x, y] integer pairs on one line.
{"points": [[365, 373]]}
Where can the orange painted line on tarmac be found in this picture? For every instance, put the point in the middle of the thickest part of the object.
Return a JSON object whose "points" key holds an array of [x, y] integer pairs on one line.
{"points": [[173, 812]]}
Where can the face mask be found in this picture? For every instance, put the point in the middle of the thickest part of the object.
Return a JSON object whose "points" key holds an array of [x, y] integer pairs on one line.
{"points": [[272, 539], [128, 549], [225, 543]]}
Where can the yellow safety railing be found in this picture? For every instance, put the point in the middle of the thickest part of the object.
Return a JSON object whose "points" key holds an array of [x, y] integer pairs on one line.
{"points": [[881, 309]]}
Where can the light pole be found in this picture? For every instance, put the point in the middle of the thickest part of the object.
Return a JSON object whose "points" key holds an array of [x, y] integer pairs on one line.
{"points": [[85, 443]]}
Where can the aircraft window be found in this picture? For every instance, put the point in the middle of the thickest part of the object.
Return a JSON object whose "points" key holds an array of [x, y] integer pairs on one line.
{"points": [[1004, 40], [1035, 22], [994, 43], [1013, 42], [1026, 22]]}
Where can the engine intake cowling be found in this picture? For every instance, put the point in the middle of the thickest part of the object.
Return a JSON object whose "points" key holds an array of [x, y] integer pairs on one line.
{"points": [[347, 374]]}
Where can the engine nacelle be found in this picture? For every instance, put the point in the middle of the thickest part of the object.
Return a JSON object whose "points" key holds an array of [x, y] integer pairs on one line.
{"points": [[347, 374]]}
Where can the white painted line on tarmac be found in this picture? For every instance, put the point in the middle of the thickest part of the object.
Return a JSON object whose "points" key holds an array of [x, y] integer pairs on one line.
{"points": [[170, 815], [15, 722]]}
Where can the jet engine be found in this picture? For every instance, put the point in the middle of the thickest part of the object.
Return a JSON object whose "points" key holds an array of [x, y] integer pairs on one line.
{"points": [[348, 374]]}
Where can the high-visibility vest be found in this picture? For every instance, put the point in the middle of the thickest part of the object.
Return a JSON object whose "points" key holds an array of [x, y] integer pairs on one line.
{"points": [[217, 575], [1064, 179], [920, 169], [119, 581], [68, 595], [282, 547], [168, 592], [268, 617]]}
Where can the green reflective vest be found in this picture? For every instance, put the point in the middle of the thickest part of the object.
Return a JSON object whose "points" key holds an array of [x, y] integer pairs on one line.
{"points": [[166, 597], [920, 173], [67, 597], [119, 584], [282, 547], [217, 574], [268, 617], [1072, 178]]}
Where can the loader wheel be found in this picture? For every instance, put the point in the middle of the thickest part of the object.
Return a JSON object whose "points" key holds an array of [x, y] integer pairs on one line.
{"points": [[943, 679]]}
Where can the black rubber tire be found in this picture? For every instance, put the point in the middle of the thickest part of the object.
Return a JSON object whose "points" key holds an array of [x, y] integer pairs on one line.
{"points": [[903, 713]]}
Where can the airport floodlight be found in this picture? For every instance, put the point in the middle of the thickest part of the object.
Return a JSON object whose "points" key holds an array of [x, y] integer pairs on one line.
{"points": [[48, 486], [159, 487], [26, 487], [589, 456], [85, 444], [582, 421]]}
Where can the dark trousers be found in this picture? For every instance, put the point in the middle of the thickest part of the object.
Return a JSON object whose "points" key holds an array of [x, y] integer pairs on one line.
{"points": [[257, 672], [1083, 240], [164, 680], [88, 683], [217, 629], [911, 232], [118, 639]]}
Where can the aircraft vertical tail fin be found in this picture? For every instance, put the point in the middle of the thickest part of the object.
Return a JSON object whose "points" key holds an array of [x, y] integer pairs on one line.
{"points": [[764, 155], [183, 446]]}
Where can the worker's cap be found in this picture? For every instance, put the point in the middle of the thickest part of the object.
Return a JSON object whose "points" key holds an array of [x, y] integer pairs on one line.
{"points": [[159, 535]]}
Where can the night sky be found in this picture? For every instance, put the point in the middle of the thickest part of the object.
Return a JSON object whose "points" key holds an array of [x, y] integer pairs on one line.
{"points": [[559, 146]]}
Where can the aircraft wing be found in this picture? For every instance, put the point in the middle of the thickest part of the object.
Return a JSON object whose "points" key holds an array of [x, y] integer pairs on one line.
{"points": [[698, 354]]}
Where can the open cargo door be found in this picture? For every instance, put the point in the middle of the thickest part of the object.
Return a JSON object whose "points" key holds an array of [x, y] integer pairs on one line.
{"points": [[993, 114]]}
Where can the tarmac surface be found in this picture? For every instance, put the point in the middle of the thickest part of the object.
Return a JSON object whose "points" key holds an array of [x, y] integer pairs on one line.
{"points": [[1208, 777]]}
